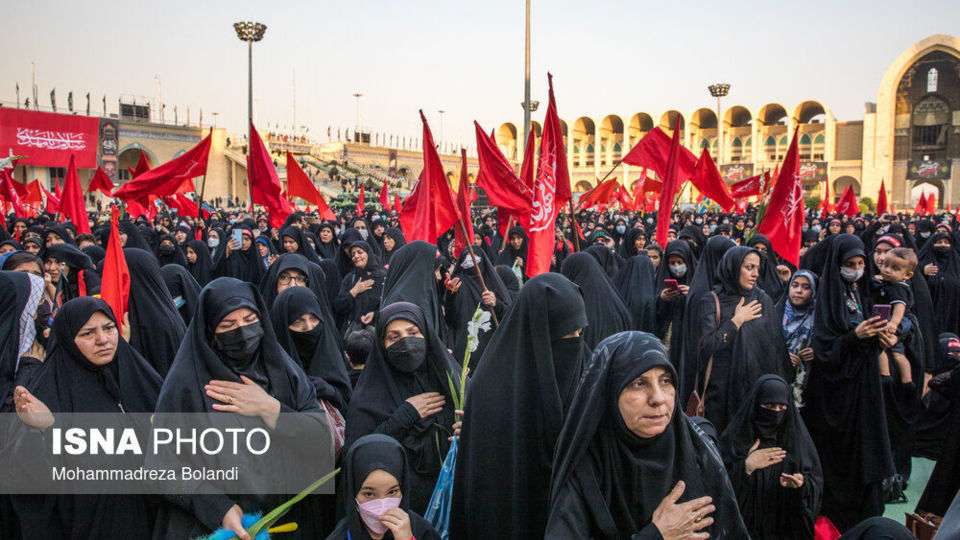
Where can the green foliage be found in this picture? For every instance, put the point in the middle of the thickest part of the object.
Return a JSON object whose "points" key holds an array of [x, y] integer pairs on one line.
{"points": [[811, 203], [867, 205]]}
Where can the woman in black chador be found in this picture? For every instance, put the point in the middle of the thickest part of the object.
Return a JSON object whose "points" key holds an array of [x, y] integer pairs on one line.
{"points": [[404, 392], [606, 313], [464, 293], [629, 463], [89, 369], [773, 465], [514, 411], [156, 327], [747, 342], [231, 363], [844, 409]]}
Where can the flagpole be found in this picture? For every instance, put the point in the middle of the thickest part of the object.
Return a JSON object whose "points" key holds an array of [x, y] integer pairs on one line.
{"points": [[573, 227], [615, 165], [503, 241], [203, 185], [476, 267]]}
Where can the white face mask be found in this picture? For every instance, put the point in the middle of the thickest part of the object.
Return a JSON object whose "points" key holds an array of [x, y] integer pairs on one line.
{"points": [[850, 275], [678, 270], [213, 242], [363, 233], [468, 262]]}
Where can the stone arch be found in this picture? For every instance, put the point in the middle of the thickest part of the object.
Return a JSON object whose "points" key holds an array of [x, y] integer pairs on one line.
{"points": [[129, 156], [669, 118], [738, 116], [583, 185], [584, 134], [507, 139], [640, 124], [927, 186], [840, 185], [811, 112], [611, 133]]}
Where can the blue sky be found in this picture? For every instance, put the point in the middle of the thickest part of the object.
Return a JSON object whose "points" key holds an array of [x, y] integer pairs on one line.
{"points": [[465, 57]]}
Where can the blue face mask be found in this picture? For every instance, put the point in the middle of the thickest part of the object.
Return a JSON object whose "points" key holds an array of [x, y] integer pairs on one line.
{"points": [[621, 229]]}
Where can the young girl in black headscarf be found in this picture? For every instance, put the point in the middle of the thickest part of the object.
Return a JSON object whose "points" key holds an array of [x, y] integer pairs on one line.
{"points": [[71, 271], [629, 463], [744, 338], [90, 369], [404, 392], [773, 464], [183, 288], [240, 261], [514, 411], [359, 296], [844, 409], [376, 494], [678, 264]]}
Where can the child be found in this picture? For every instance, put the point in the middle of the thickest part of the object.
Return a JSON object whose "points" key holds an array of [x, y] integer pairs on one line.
{"points": [[896, 271], [357, 346], [373, 499]]}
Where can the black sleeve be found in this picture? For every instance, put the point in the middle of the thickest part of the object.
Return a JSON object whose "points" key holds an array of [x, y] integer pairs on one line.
{"points": [[343, 304], [399, 422], [714, 337]]}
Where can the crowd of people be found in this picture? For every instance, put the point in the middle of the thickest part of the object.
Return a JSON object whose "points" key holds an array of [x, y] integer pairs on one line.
{"points": [[701, 388]]}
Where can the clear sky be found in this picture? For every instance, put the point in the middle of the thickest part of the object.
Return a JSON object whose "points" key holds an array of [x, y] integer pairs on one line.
{"points": [[462, 56]]}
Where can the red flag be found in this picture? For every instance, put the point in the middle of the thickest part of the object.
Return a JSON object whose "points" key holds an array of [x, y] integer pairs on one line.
{"points": [[168, 178], [53, 203], [148, 209], [298, 185], [264, 182], [100, 182], [827, 203], [848, 203], [626, 202], [931, 204], [783, 221], [882, 206], [34, 194], [56, 188], [463, 207], [706, 178], [652, 152], [601, 193], [72, 204], [360, 205], [508, 192], [921, 208], [429, 210], [751, 187], [397, 205], [10, 192], [142, 165], [551, 191], [115, 286], [671, 183], [183, 205], [384, 198], [638, 189]]}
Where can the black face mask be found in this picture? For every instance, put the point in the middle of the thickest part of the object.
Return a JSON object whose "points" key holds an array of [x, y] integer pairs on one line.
{"points": [[42, 322], [407, 354], [240, 344], [306, 342], [767, 423], [166, 250], [942, 250]]}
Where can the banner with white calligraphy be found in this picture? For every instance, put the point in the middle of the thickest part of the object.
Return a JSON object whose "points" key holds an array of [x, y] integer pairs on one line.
{"points": [[48, 139]]}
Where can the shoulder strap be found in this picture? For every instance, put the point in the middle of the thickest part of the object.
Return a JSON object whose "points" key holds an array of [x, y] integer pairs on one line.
{"points": [[706, 380]]}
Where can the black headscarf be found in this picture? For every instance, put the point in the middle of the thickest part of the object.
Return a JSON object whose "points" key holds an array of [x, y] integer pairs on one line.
{"points": [[20, 294], [509, 255], [523, 385], [303, 245], [634, 282], [331, 248], [62, 232], [769, 280], [371, 453], [316, 279], [945, 479], [82, 270], [398, 242], [693, 235], [945, 285], [627, 249], [134, 237], [844, 408], [156, 327], [938, 403], [345, 263], [318, 351], [202, 269], [607, 476], [509, 279], [379, 405], [757, 347], [350, 309], [606, 258], [410, 278], [460, 306], [96, 253], [177, 254], [244, 265], [606, 312], [702, 282], [769, 509], [182, 285], [670, 315]]}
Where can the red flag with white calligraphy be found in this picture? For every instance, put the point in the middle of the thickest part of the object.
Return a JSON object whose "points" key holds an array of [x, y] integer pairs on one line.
{"points": [[783, 221]]}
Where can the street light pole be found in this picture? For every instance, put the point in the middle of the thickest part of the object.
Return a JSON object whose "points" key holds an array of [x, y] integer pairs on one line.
{"points": [[356, 127], [718, 91], [526, 79], [249, 32], [440, 141]]}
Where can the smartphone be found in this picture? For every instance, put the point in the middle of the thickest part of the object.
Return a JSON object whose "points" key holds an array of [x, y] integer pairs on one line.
{"points": [[882, 310], [671, 284], [237, 235]]}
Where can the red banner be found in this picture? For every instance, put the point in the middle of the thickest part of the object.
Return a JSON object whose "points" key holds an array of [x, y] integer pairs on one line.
{"points": [[48, 139]]}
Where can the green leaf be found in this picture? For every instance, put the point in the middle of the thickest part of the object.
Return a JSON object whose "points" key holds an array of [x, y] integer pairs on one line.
{"points": [[268, 520]]}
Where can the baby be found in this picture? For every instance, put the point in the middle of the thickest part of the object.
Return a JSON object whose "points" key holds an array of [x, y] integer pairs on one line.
{"points": [[896, 271]]}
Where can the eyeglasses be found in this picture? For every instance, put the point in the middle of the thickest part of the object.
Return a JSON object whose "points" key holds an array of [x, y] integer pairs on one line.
{"points": [[285, 279]]}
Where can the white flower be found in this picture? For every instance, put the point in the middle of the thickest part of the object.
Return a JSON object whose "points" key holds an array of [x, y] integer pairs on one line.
{"points": [[479, 322]]}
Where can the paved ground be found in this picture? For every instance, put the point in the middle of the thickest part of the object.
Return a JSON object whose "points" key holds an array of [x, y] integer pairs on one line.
{"points": [[919, 475]]}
